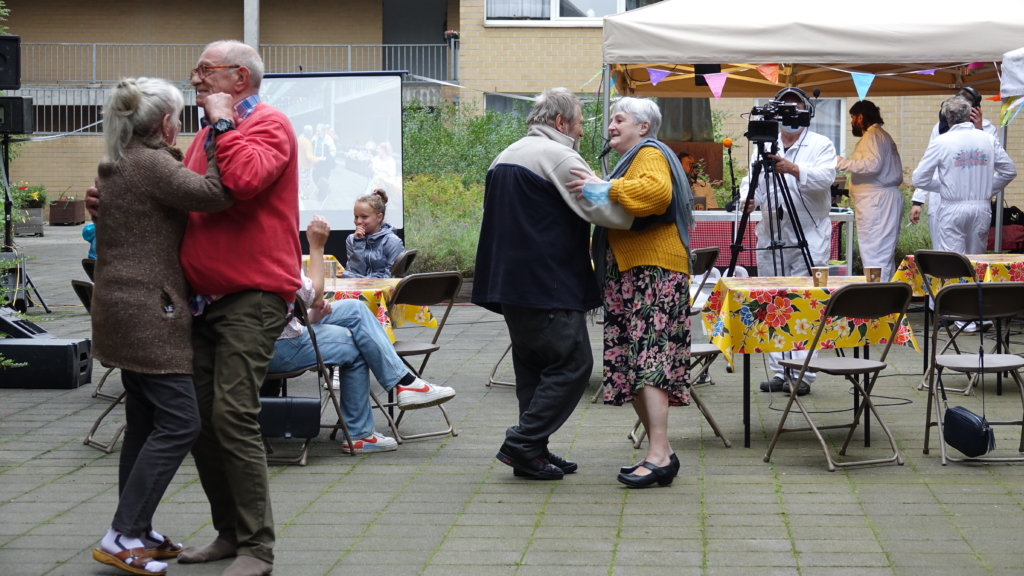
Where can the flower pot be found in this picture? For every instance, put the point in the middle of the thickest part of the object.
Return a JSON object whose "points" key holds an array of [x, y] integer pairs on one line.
{"points": [[33, 226], [67, 213]]}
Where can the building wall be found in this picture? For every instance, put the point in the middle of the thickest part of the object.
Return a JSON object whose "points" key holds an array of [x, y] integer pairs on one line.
{"points": [[321, 21]]}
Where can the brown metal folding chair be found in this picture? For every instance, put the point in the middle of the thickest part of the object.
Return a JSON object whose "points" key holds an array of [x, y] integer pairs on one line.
{"points": [[945, 266], [323, 372], [426, 289], [84, 292], [401, 265], [1002, 300], [702, 355], [89, 265], [855, 301]]}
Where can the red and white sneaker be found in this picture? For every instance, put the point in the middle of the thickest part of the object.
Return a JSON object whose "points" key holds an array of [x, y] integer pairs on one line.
{"points": [[422, 394], [374, 443]]}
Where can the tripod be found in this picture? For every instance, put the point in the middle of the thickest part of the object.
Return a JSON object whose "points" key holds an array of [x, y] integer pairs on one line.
{"points": [[779, 200], [15, 282]]}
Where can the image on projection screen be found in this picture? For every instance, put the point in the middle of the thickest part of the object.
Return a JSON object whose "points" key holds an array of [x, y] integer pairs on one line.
{"points": [[349, 129]]}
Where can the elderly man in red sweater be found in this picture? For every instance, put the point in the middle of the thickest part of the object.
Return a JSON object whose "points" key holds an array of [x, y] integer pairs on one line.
{"points": [[243, 267]]}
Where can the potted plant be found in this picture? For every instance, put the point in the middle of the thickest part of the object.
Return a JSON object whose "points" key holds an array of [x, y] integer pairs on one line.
{"points": [[67, 210], [450, 36], [29, 201]]}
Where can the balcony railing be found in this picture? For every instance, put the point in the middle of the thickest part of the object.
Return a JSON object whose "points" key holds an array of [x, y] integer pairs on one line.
{"points": [[97, 63]]}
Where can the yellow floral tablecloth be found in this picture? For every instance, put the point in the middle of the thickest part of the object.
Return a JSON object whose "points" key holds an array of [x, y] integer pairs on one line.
{"points": [[375, 293], [759, 315], [988, 267]]}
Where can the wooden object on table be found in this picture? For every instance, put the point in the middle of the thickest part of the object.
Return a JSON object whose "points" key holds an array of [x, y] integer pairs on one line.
{"points": [[67, 213], [709, 152]]}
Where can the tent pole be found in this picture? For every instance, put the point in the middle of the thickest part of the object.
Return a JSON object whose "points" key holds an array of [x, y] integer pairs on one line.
{"points": [[998, 242], [605, 103]]}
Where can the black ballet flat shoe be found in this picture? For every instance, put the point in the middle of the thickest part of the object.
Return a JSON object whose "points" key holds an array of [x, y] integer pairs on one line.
{"points": [[674, 464], [630, 469], [660, 475], [535, 468]]}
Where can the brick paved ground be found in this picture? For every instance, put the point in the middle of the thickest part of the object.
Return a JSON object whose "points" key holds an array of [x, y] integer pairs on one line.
{"points": [[444, 506]]}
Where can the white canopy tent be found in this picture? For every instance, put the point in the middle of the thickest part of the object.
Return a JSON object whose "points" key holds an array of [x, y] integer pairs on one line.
{"points": [[815, 46]]}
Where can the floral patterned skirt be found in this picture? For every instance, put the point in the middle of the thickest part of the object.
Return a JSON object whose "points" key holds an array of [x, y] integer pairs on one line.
{"points": [[646, 333]]}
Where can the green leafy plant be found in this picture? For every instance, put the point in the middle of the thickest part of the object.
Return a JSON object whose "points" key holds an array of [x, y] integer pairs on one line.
{"points": [[442, 221]]}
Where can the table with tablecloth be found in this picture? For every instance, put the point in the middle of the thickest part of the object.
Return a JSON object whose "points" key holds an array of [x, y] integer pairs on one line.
{"points": [[376, 294], [988, 267], [779, 314]]}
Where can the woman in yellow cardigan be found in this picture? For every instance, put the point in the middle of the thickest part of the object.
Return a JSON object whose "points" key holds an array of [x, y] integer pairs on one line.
{"points": [[644, 272]]}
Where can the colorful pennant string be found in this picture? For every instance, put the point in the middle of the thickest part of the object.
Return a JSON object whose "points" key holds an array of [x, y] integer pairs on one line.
{"points": [[657, 75], [929, 72], [862, 81], [716, 82], [975, 65]]}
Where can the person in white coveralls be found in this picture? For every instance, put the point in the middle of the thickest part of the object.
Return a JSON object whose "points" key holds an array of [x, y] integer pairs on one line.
{"points": [[964, 165], [876, 174], [807, 161]]}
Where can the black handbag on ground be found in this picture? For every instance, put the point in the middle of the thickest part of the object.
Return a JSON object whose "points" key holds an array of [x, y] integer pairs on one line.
{"points": [[290, 417], [962, 429]]}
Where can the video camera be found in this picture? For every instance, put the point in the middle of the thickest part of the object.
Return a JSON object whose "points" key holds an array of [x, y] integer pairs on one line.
{"points": [[764, 120]]}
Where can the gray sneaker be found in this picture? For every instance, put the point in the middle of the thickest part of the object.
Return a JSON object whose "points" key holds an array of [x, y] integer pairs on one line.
{"points": [[774, 385], [802, 390]]}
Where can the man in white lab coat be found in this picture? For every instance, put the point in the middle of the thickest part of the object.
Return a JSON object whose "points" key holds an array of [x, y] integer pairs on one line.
{"points": [[807, 161], [876, 174], [959, 165], [932, 196]]}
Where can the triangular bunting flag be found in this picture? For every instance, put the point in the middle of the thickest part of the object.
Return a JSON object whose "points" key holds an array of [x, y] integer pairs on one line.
{"points": [[656, 75], [770, 72], [930, 71], [716, 82], [862, 81], [995, 98], [975, 65]]}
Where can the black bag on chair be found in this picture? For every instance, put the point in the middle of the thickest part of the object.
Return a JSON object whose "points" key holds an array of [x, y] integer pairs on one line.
{"points": [[290, 417], [961, 428]]}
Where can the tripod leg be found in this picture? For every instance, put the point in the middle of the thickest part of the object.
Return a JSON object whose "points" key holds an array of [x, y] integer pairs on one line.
{"points": [[29, 282]]}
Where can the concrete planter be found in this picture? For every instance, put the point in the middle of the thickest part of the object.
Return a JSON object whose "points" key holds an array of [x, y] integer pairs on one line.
{"points": [[31, 227], [67, 213]]}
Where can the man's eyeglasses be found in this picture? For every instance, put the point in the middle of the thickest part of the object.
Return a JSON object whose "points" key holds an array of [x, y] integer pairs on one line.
{"points": [[204, 71]]}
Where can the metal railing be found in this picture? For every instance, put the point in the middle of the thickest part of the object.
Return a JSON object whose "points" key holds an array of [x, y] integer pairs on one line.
{"points": [[78, 110], [99, 63]]}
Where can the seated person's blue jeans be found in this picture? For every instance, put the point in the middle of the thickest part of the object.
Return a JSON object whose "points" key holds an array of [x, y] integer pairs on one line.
{"points": [[352, 339]]}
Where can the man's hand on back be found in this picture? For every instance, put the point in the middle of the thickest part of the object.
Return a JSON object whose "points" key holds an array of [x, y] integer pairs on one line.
{"points": [[217, 106], [92, 199]]}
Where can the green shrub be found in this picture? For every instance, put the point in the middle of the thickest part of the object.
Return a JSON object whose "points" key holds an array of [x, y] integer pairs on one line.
{"points": [[442, 221]]}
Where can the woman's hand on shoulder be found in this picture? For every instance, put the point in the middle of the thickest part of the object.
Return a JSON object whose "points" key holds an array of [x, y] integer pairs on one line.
{"points": [[576, 186]]}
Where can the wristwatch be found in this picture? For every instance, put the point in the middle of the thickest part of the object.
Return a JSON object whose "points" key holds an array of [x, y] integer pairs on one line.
{"points": [[223, 125]]}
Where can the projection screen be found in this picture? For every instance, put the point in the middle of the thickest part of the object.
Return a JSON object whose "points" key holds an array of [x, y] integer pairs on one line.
{"points": [[349, 128]]}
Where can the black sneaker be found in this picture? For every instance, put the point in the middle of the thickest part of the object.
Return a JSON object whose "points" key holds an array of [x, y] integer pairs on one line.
{"points": [[567, 466], [802, 390], [537, 468], [776, 384]]}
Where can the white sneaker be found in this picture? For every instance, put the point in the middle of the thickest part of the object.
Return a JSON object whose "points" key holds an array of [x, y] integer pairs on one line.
{"points": [[374, 443], [422, 394]]}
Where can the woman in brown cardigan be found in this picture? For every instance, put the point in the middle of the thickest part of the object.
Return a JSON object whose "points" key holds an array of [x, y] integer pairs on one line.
{"points": [[140, 313]]}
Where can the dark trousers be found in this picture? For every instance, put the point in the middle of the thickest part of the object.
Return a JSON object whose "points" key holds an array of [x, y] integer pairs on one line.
{"points": [[233, 342], [553, 360], [163, 423]]}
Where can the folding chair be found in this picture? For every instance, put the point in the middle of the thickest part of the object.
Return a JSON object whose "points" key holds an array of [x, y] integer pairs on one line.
{"points": [[960, 301], [943, 266], [491, 380], [702, 355], [84, 292], [400, 268], [425, 289], [855, 301], [89, 265], [323, 375]]}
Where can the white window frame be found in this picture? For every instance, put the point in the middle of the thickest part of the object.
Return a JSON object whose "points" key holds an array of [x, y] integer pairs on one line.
{"points": [[555, 20]]}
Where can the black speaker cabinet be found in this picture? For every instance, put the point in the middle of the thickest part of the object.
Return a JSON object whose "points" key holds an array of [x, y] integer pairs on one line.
{"points": [[16, 327], [10, 62], [50, 364], [16, 115]]}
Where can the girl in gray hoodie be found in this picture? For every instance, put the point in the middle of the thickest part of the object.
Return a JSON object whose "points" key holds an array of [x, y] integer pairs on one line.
{"points": [[373, 247]]}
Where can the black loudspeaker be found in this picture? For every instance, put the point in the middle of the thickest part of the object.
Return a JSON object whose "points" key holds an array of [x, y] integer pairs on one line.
{"points": [[10, 62], [15, 327], [49, 364], [16, 115]]}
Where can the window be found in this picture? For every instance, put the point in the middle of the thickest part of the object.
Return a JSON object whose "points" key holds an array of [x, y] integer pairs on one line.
{"points": [[565, 10], [830, 120], [500, 103]]}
